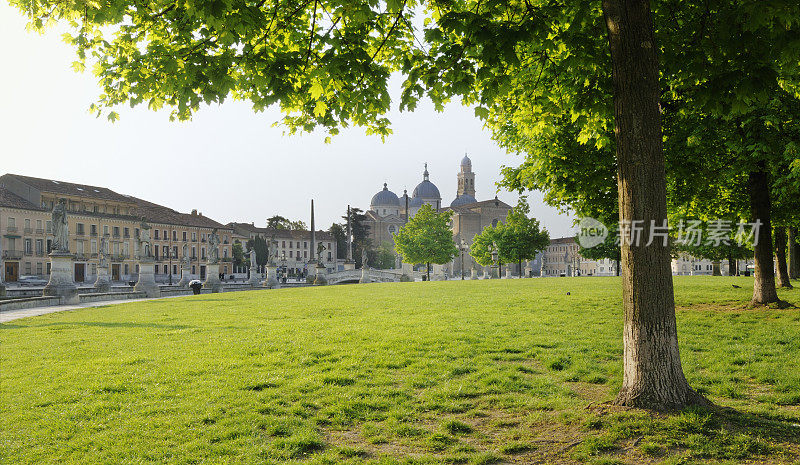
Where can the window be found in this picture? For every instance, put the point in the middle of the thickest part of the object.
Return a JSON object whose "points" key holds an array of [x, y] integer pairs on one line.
{"points": [[305, 245], [12, 223], [94, 246], [126, 232], [184, 236], [290, 254], [116, 231], [39, 247], [283, 243], [105, 230], [305, 254], [174, 269], [166, 269], [79, 229], [126, 268], [93, 229], [155, 249], [39, 268], [28, 247], [194, 239], [203, 253], [174, 235], [175, 251], [193, 269], [155, 234]]}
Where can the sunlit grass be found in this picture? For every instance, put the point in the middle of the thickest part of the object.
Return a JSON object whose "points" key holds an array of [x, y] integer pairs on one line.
{"points": [[440, 372]]}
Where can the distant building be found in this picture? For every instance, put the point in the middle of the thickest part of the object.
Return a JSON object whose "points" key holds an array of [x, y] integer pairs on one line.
{"points": [[294, 246], [93, 213], [562, 258], [388, 212]]}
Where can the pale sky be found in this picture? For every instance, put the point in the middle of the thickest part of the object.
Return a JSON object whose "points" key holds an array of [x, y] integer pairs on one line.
{"points": [[228, 162]]}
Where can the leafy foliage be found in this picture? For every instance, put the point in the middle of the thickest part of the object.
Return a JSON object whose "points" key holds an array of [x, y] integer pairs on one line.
{"points": [[426, 238]]}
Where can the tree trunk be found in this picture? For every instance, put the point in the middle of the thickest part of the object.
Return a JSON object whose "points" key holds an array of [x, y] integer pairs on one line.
{"points": [[618, 270], [716, 267], [793, 251], [733, 266], [428, 271], [760, 205], [653, 376], [780, 256]]}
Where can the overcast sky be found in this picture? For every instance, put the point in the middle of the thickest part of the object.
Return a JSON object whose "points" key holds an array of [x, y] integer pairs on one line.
{"points": [[228, 162]]}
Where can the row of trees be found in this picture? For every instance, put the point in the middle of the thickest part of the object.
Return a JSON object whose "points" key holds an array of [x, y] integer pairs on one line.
{"points": [[590, 92]]}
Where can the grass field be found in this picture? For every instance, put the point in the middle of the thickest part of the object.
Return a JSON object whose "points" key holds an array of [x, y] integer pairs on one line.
{"points": [[477, 372]]}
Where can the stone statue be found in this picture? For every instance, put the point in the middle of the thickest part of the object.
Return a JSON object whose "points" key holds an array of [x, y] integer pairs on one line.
{"points": [[320, 248], [60, 227], [253, 262], [144, 244], [398, 262], [364, 258], [186, 259], [272, 250], [103, 252], [213, 247]]}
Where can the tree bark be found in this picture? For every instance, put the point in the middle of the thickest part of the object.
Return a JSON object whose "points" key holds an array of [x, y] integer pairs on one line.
{"points": [[780, 256], [760, 206], [716, 267], [653, 376], [794, 254], [733, 266]]}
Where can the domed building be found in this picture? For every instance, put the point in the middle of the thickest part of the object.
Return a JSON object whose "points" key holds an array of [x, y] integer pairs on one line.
{"points": [[385, 202], [388, 212]]}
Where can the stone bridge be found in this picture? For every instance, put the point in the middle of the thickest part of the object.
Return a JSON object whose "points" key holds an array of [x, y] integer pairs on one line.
{"points": [[375, 276]]}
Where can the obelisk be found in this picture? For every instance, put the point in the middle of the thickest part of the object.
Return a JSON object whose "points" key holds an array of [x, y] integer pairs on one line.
{"points": [[349, 263], [312, 262]]}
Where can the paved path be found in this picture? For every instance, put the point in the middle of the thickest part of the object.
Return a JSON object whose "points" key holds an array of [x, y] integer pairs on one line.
{"points": [[27, 312]]}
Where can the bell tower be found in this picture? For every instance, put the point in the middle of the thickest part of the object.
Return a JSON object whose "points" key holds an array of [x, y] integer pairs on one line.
{"points": [[466, 178]]}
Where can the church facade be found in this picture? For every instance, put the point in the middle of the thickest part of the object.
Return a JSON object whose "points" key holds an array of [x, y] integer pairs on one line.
{"points": [[388, 212]]}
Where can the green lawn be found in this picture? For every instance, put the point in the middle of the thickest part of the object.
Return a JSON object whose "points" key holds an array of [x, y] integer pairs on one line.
{"points": [[501, 371]]}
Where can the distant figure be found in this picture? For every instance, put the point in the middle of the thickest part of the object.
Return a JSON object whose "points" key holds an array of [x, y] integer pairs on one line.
{"points": [[363, 258], [320, 248]]}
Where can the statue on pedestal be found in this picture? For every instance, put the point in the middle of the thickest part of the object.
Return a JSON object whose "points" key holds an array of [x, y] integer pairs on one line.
{"points": [[60, 228], [103, 252], [186, 259], [144, 248], [320, 248], [213, 247], [364, 263], [253, 263]]}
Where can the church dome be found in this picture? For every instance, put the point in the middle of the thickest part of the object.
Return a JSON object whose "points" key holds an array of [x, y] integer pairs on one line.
{"points": [[385, 198], [426, 190], [466, 161], [464, 199], [414, 202]]}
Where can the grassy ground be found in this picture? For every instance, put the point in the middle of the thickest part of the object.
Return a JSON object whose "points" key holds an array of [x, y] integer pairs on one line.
{"points": [[478, 372]]}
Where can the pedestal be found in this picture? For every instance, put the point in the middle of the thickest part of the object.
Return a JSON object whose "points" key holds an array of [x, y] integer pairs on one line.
{"points": [[321, 272], [103, 283], [473, 274], [253, 281], [185, 276], [311, 275], [212, 278], [528, 270], [364, 276], [62, 282], [271, 282], [508, 272], [349, 265], [408, 273], [147, 279], [438, 273], [494, 272]]}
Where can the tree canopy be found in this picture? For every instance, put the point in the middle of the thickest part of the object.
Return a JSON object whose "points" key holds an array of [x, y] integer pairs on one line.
{"points": [[426, 238]]}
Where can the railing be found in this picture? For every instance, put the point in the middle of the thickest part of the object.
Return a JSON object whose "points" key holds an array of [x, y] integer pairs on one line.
{"points": [[28, 230], [11, 229], [116, 235], [79, 233], [80, 256], [119, 257], [93, 233], [39, 231], [29, 252], [12, 254], [40, 253]]}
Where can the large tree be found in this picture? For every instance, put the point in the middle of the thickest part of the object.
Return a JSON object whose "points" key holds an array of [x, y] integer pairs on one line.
{"points": [[426, 238], [327, 63]]}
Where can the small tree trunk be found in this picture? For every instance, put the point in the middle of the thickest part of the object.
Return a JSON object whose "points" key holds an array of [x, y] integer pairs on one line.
{"points": [[780, 256], [794, 264], [618, 271], [653, 376], [716, 267], [760, 205], [733, 266]]}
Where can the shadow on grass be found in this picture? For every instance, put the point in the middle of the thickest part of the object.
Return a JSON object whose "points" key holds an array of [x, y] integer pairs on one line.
{"points": [[98, 324], [767, 426]]}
